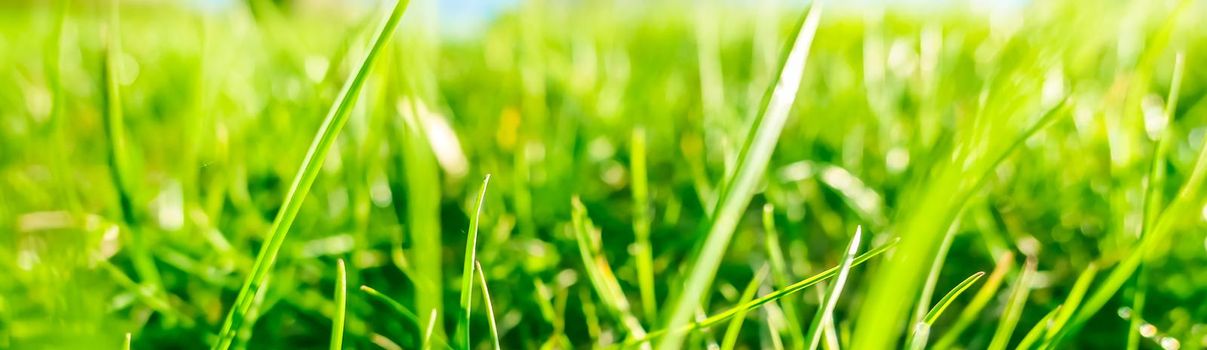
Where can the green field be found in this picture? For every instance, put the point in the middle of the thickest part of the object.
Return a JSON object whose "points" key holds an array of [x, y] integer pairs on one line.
{"points": [[768, 174]]}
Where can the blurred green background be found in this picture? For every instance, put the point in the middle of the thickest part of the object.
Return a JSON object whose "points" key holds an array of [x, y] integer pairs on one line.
{"points": [[221, 99]]}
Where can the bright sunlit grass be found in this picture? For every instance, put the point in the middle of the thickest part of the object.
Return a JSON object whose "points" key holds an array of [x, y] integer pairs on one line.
{"points": [[765, 174]]}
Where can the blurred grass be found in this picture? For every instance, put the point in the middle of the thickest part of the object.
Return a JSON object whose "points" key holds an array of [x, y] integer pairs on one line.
{"points": [[1043, 131]]}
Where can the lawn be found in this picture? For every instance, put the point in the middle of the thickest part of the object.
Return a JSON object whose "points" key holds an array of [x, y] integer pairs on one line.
{"points": [[767, 174]]}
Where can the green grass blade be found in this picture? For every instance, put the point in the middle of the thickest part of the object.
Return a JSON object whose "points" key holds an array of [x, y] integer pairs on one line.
{"points": [[126, 342], [779, 273], [1040, 329], [973, 310], [307, 173], [394, 305], [735, 324], [641, 226], [813, 336], [1014, 307], [1154, 197], [928, 289], [341, 305], [752, 163], [467, 277], [922, 328], [490, 308], [770, 297], [1072, 302], [951, 295]]}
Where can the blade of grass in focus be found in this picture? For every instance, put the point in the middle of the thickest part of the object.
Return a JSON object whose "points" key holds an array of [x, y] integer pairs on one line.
{"points": [[306, 175], [341, 305], [937, 311], [467, 277], [119, 153], [735, 324], [490, 308], [972, 311], [394, 305], [752, 163], [928, 289], [922, 328], [641, 226], [813, 336]]}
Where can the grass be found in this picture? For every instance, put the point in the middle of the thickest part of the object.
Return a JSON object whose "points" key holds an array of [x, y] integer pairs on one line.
{"points": [[490, 308], [739, 186], [661, 174], [467, 277], [341, 306], [825, 313], [307, 172], [921, 331]]}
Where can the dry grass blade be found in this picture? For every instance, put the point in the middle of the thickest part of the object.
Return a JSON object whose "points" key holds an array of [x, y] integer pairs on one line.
{"points": [[770, 297]]}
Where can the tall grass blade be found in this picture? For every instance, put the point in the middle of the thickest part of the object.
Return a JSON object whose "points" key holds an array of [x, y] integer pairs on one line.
{"points": [[813, 336], [467, 277], [490, 308], [735, 324], [1069, 307], [341, 305], [951, 295], [307, 173], [752, 163], [126, 342], [1014, 307], [394, 305], [641, 226], [119, 153]]}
